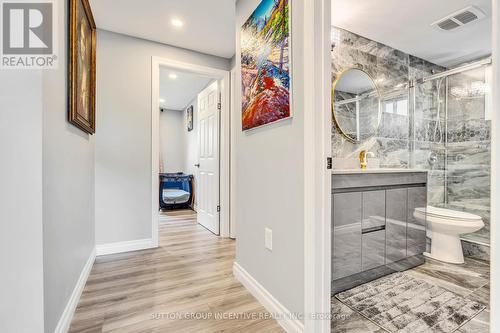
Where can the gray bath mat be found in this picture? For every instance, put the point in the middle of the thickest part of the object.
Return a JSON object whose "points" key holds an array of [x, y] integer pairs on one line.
{"points": [[401, 303]]}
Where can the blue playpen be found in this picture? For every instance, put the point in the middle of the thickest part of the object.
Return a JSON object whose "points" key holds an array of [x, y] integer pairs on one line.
{"points": [[176, 190]]}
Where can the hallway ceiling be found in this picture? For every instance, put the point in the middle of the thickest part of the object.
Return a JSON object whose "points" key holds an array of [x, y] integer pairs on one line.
{"points": [[179, 92], [208, 26], [406, 26]]}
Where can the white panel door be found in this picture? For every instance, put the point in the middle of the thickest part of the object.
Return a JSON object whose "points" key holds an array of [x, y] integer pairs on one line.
{"points": [[208, 174]]}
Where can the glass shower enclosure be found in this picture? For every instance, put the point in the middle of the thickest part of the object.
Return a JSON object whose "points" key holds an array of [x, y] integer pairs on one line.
{"points": [[450, 125]]}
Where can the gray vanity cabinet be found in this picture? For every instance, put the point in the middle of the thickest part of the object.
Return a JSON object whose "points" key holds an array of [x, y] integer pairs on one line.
{"points": [[396, 224], [416, 230], [374, 232], [347, 234]]}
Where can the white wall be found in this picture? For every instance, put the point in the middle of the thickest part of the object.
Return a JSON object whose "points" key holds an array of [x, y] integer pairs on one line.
{"points": [[172, 140], [68, 188], [123, 138], [269, 172], [47, 229], [21, 249]]}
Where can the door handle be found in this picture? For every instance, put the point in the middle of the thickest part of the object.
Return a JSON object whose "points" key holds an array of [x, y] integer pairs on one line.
{"points": [[197, 165]]}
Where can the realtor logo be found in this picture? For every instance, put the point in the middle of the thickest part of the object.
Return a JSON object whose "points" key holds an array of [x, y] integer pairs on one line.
{"points": [[28, 35]]}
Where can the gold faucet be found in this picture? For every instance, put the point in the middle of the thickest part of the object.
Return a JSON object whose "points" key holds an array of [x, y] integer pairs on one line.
{"points": [[363, 158]]}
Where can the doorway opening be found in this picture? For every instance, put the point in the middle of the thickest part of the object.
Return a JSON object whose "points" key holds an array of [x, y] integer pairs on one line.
{"points": [[431, 117], [190, 140]]}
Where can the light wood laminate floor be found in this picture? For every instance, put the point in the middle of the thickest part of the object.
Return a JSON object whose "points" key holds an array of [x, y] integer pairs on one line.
{"points": [[179, 287]]}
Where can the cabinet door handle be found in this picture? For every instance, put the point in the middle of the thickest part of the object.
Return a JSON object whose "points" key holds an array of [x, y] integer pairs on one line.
{"points": [[197, 165]]}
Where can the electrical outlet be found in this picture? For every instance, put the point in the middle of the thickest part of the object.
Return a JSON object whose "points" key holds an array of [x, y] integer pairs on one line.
{"points": [[269, 239]]}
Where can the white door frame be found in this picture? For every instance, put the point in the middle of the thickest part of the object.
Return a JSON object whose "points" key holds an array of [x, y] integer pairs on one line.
{"points": [[232, 208], [317, 147], [495, 177], [224, 152]]}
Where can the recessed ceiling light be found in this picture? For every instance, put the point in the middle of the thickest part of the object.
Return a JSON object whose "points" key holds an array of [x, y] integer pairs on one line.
{"points": [[177, 23], [173, 76], [162, 100]]}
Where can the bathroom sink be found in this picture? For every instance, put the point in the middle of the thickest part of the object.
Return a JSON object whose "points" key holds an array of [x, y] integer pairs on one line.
{"points": [[343, 166], [376, 170], [345, 163]]}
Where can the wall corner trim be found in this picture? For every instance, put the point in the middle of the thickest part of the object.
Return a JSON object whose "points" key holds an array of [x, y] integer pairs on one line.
{"points": [[67, 315], [284, 318], [127, 246]]}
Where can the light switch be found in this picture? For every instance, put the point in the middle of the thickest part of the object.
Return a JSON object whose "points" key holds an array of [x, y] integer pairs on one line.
{"points": [[269, 239]]}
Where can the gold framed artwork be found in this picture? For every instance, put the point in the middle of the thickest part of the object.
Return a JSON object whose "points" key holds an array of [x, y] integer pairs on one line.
{"points": [[82, 65], [189, 116]]}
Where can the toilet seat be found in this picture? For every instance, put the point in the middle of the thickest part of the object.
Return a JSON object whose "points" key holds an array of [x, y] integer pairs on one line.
{"points": [[448, 216]]}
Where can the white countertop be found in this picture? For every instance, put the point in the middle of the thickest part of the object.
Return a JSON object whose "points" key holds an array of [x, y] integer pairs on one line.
{"points": [[381, 170]]}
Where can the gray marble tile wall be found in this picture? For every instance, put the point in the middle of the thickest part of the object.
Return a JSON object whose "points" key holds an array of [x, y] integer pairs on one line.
{"points": [[389, 70], [450, 140], [404, 139]]}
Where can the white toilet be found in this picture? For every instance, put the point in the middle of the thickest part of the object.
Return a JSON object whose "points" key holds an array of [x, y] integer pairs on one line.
{"points": [[444, 227]]}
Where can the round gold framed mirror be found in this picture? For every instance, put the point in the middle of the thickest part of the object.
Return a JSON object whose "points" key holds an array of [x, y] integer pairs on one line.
{"points": [[356, 105]]}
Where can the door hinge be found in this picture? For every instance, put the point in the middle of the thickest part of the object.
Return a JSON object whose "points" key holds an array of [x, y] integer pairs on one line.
{"points": [[218, 208], [219, 106], [329, 163]]}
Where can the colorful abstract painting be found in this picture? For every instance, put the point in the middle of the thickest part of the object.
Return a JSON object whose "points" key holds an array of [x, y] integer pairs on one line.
{"points": [[265, 64]]}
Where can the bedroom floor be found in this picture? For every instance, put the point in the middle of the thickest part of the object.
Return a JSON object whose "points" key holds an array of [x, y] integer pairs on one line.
{"points": [[470, 280], [172, 215]]}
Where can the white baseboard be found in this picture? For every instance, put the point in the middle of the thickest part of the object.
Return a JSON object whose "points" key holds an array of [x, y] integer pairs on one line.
{"points": [[69, 310], [289, 323], [127, 246]]}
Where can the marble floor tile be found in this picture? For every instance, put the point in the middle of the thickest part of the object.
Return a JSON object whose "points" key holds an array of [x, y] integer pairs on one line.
{"points": [[472, 275], [478, 324], [481, 295], [457, 289]]}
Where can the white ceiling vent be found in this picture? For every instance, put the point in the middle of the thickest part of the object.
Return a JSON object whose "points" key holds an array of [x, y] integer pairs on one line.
{"points": [[459, 18]]}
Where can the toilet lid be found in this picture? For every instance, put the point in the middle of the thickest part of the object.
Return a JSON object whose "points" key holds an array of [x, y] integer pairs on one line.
{"points": [[448, 214]]}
